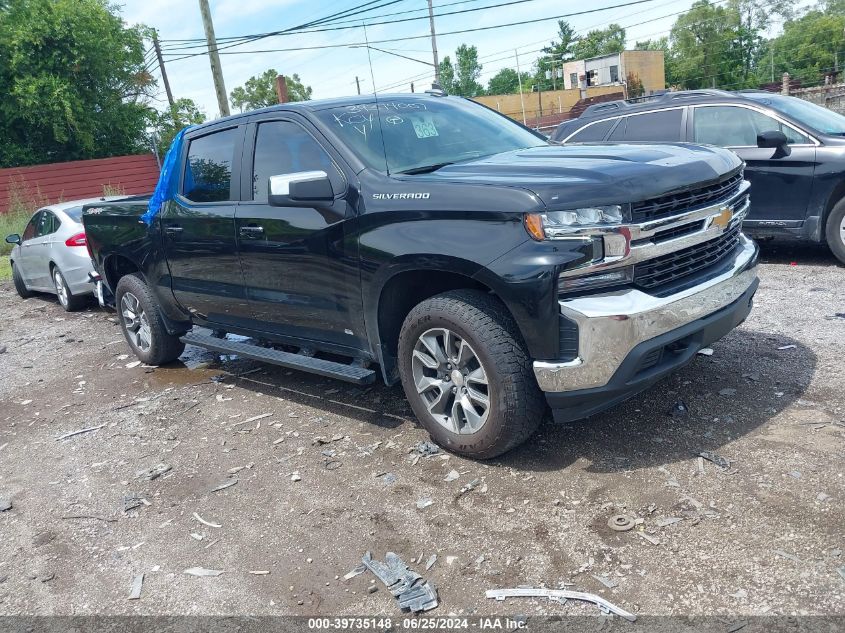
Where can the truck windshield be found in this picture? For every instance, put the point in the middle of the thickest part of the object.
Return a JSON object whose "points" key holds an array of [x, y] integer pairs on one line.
{"points": [[816, 117], [424, 134]]}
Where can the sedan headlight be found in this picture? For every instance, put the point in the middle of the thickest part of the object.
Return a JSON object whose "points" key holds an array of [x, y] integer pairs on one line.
{"points": [[560, 224]]}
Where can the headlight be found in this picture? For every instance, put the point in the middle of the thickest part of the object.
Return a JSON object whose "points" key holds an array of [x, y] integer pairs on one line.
{"points": [[558, 224]]}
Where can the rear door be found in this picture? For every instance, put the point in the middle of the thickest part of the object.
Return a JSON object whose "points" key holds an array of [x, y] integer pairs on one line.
{"points": [[300, 263], [660, 126], [198, 228], [780, 185]]}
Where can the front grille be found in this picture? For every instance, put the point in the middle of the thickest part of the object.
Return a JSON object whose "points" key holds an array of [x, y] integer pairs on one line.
{"points": [[674, 266], [672, 204]]}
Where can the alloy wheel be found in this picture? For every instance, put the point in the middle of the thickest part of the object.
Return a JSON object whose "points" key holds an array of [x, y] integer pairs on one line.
{"points": [[842, 230], [61, 288], [451, 381], [136, 322]]}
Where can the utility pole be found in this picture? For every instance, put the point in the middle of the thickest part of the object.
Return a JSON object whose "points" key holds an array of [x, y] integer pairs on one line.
{"points": [[519, 78], [214, 59], [433, 44], [162, 69], [358, 84], [412, 86]]}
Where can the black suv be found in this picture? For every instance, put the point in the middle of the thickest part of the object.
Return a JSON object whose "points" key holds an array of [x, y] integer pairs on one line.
{"points": [[794, 151]]}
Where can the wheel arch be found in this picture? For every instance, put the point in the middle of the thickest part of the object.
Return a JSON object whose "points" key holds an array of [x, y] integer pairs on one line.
{"points": [[405, 288], [117, 266]]}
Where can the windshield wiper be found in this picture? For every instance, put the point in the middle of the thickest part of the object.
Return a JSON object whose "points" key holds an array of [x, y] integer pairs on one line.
{"points": [[425, 169]]}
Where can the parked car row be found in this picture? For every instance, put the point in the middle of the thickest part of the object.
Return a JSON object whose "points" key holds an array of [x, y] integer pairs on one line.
{"points": [[794, 151]]}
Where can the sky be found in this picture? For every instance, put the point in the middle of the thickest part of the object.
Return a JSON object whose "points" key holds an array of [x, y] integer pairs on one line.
{"points": [[331, 72]]}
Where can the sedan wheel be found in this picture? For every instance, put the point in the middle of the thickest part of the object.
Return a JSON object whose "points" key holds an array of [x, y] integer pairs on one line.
{"points": [[136, 321], [451, 381], [61, 288]]}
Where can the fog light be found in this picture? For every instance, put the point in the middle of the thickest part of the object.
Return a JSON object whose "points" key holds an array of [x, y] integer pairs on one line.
{"points": [[609, 278]]}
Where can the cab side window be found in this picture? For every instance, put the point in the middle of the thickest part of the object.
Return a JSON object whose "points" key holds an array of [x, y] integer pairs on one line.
{"points": [[208, 172], [663, 126], [592, 133], [284, 147], [732, 126]]}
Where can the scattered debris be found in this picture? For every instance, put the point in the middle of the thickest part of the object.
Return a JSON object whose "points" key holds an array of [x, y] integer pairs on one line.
{"points": [[133, 364], [754, 376], [79, 432], [651, 539], [89, 516], [621, 522], [783, 347], [469, 486], [47, 577], [430, 563], [204, 522], [706, 351], [360, 569], [740, 594], [841, 571], [202, 571], [668, 521], [408, 587], [450, 560], [560, 594], [372, 589], [722, 462], [387, 478], [678, 410], [427, 448], [727, 391], [452, 475], [228, 483], [607, 582], [782, 554], [255, 418], [424, 503], [153, 473], [196, 536], [295, 477], [822, 496], [5, 504], [260, 572], [135, 589], [132, 500]]}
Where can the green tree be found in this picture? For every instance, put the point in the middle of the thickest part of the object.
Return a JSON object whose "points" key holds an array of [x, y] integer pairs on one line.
{"points": [[73, 84], [260, 91], [167, 123], [600, 42], [706, 49], [808, 48], [556, 53], [461, 78], [506, 81]]}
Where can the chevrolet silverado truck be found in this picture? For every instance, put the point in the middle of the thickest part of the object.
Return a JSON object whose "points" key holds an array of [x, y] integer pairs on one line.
{"points": [[433, 242]]}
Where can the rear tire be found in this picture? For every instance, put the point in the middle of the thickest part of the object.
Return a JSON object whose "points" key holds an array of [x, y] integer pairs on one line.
{"points": [[467, 374], [835, 230], [142, 324], [69, 301], [20, 284]]}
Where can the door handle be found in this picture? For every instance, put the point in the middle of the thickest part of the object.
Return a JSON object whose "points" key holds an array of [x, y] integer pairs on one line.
{"points": [[252, 230], [174, 228]]}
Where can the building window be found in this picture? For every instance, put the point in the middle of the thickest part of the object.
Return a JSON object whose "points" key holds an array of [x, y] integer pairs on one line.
{"points": [[614, 74], [573, 80]]}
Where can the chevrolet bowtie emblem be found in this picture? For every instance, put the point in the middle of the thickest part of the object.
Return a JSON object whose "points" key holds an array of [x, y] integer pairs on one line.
{"points": [[724, 218]]}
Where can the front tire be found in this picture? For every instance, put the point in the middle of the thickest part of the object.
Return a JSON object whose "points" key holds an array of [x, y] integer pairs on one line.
{"points": [[467, 374], [835, 230], [69, 301], [20, 284], [142, 324]]}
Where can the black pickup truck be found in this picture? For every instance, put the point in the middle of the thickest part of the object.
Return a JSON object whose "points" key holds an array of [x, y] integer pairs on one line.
{"points": [[440, 244]]}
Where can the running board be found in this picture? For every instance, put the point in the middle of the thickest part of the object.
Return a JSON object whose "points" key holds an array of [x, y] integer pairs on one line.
{"points": [[340, 371]]}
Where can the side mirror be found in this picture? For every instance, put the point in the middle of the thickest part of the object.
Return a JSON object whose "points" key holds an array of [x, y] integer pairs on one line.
{"points": [[776, 140], [302, 187], [14, 238]]}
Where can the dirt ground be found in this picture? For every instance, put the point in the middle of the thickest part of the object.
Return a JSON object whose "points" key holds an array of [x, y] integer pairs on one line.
{"points": [[329, 474]]}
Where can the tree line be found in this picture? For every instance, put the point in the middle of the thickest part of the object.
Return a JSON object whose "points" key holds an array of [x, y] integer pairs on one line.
{"points": [[710, 46]]}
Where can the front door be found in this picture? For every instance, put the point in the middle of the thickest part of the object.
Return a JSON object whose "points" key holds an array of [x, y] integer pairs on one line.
{"points": [[34, 264], [780, 185], [300, 263], [198, 228]]}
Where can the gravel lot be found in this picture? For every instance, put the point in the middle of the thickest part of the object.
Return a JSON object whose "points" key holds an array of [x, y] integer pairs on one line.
{"points": [[765, 537]]}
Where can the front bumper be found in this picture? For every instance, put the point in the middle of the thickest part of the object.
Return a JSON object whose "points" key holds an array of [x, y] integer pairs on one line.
{"points": [[615, 325]]}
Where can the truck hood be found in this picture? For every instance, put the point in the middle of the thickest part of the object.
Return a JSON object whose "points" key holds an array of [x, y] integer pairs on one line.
{"points": [[603, 173]]}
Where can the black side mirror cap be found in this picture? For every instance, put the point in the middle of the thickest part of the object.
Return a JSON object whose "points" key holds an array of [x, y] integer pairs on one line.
{"points": [[14, 238], [300, 188], [776, 140]]}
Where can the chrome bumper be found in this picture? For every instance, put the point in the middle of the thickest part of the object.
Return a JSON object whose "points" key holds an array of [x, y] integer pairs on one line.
{"points": [[611, 325]]}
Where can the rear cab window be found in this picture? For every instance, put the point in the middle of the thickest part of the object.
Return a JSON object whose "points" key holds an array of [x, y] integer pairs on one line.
{"points": [[661, 126]]}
